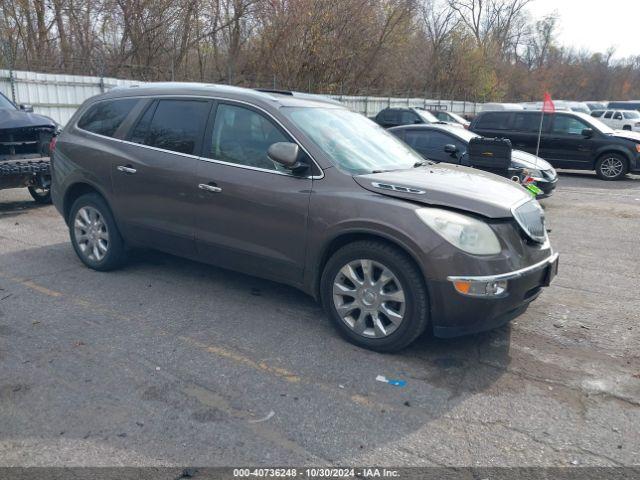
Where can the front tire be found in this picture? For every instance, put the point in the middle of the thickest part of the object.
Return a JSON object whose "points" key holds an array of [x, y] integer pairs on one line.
{"points": [[611, 166], [94, 234], [375, 295], [40, 195]]}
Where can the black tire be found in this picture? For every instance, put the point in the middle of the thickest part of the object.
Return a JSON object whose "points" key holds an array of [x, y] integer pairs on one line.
{"points": [[416, 316], [605, 161], [40, 195], [116, 253]]}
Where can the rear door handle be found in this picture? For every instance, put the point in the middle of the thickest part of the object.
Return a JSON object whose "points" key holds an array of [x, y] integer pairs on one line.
{"points": [[124, 169], [209, 187]]}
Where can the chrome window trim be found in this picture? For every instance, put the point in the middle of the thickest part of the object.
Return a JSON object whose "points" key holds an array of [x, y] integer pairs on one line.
{"points": [[199, 97], [506, 276]]}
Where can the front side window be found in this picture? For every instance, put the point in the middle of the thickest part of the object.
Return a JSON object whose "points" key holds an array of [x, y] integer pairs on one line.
{"points": [[176, 125], [408, 117], [351, 141], [104, 118], [617, 116], [420, 140], [243, 136], [569, 125]]}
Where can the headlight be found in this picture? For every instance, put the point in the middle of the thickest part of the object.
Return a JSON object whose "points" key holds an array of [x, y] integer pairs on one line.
{"points": [[464, 232], [533, 173]]}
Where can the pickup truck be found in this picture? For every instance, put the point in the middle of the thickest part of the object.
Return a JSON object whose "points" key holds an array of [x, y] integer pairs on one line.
{"points": [[24, 149]]}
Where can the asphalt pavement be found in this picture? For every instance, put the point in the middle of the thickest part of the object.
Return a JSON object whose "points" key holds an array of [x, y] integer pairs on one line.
{"points": [[171, 362]]}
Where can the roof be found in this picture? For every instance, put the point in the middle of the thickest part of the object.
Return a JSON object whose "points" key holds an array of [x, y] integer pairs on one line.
{"points": [[272, 99]]}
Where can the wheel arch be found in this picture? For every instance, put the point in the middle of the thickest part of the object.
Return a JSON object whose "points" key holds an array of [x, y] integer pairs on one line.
{"points": [[75, 191], [345, 238]]}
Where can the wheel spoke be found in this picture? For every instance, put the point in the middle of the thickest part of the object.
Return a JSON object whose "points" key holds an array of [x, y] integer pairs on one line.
{"points": [[360, 325], [397, 296], [379, 329], [346, 308], [367, 271], [392, 315], [344, 290], [349, 272]]}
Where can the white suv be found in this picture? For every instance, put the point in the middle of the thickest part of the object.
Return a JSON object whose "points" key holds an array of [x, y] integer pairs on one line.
{"points": [[619, 119]]}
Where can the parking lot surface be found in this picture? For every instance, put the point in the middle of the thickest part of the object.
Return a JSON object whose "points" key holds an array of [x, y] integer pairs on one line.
{"points": [[170, 362]]}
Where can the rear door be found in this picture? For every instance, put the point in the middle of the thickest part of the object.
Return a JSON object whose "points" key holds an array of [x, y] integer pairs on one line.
{"points": [[526, 128], [155, 185], [618, 120], [251, 214]]}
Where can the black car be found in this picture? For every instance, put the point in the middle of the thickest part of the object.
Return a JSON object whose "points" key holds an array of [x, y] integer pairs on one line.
{"points": [[24, 149], [569, 140], [443, 143], [394, 117]]}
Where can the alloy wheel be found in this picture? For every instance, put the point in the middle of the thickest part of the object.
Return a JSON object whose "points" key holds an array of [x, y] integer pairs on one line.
{"points": [[369, 298], [612, 167], [91, 233]]}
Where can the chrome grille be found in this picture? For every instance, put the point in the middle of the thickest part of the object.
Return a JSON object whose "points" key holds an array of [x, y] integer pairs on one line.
{"points": [[530, 217]]}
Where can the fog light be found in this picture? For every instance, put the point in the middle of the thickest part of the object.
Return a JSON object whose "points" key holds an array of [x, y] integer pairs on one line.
{"points": [[480, 289]]}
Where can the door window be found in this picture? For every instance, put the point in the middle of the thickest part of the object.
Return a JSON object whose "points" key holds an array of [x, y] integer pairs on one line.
{"points": [[608, 114], [104, 118], [407, 118], [418, 140], [175, 125], [566, 125], [494, 121], [243, 136], [617, 116]]}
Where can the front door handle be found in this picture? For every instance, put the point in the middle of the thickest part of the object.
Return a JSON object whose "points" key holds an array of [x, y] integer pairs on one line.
{"points": [[124, 169], [209, 188]]}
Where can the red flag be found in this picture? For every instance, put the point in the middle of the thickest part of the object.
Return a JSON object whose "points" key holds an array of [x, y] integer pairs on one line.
{"points": [[547, 104]]}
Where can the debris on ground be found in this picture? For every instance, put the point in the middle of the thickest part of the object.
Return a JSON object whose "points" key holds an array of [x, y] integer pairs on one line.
{"points": [[264, 419], [390, 381]]}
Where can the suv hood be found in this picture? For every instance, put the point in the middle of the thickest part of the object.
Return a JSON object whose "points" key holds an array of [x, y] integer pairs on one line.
{"points": [[627, 134], [451, 186], [20, 119]]}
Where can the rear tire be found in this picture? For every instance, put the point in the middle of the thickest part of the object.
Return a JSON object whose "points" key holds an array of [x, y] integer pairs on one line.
{"points": [[392, 307], [94, 234], [611, 166]]}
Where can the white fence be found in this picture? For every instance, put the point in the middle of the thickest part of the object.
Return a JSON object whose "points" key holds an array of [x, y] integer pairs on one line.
{"points": [[58, 96]]}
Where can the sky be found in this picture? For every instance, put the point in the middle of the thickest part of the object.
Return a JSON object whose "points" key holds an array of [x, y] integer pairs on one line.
{"points": [[595, 25]]}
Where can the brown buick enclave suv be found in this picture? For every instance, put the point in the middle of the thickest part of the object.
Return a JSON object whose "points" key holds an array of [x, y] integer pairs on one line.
{"points": [[304, 192]]}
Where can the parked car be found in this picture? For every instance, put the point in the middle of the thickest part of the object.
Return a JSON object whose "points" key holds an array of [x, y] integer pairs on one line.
{"points": [[305, 193], [24, 149], [619, 119], [596, 105], [628, 105], [559, 105], [443, 144], [498, 107], [569, 140], [450, 117], [393, 117]]}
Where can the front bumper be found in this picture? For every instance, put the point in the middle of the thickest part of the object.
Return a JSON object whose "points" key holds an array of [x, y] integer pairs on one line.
{"points": [[454, 314]]}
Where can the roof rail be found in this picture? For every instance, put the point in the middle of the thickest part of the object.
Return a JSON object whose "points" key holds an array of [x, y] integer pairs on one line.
{"points": [[274, 90]]}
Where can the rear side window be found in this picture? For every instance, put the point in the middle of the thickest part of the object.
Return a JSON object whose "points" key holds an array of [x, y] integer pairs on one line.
{"points": [[389, 116], [104, 118], [608, 114], [417, 139], [494, 121], [176, 125]]}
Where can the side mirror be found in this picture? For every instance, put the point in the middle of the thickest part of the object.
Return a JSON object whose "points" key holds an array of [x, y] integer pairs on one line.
{"points": [[417, 121], [26, 107], [587, 132], [286, 154], [451, 149]]}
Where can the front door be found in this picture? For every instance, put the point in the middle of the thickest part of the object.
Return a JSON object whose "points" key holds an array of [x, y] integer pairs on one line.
{"points": [[567, 146], [155, 182], [251, 214]]}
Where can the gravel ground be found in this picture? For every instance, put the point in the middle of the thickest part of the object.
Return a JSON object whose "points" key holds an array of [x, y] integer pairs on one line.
{"points": [[170, 362]]}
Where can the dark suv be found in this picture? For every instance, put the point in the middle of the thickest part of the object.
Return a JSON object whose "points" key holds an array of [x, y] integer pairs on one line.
{"points": [[394, 117], [305, 193], [569, 140]]}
